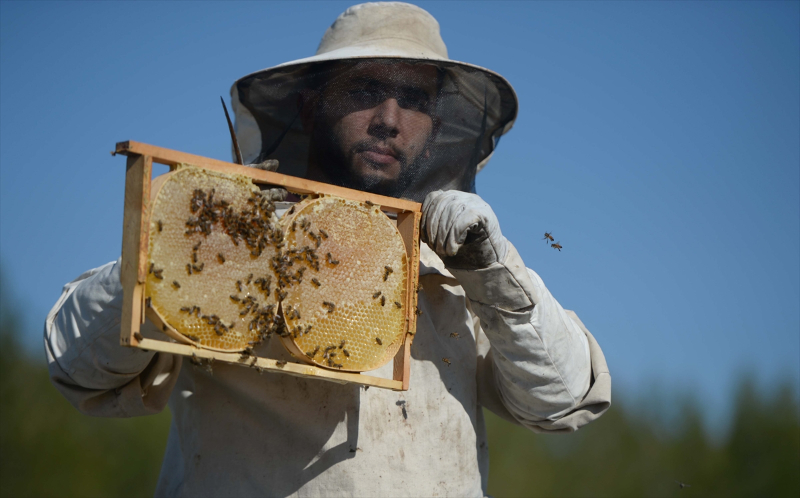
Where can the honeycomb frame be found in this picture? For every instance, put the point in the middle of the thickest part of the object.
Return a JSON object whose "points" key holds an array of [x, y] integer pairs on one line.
{"points": [[136, 229]]}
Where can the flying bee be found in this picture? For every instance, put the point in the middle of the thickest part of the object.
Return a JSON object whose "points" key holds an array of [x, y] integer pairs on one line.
{"points": [[160, 225], [548, 236], [323, 233], [346, 353], [387, 272], [378, 340], [331, 260], [176, 284], [220, 258], [398, 305], [446, 360], [454, 335], [316, 282], [375, 296], [329, 305], [280, 364], [557, 245]]}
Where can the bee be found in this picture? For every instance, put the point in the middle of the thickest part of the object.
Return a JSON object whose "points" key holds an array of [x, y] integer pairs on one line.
{"points": [[342, 344], [557, 245], [158, 274], [189, 268], [375, 296], [454, 335], [338, 365], [346, 353], [148, 302], [282, 295], [329, 305], [398, 305], [316, 282], [220, 258], [418, 288], [383, 300], [176, 284], [369, 203], [198, 268], [291, 211], [197, 246], [294, 225], [194, 257], [323, 233], [378, 340], [239, 285], [152, 265], [160, 225], [548, 236], [235, 298], [331, 260], [249, 278], [280, 364], [418, 311], [446, 360], [138, 336], [192, 337], [312, 354], [387, 272]]}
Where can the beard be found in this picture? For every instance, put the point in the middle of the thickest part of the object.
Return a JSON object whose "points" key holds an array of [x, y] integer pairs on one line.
{"points": [[337, 162]]}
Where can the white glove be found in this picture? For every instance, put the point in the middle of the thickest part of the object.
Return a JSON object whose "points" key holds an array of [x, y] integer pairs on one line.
{"points": [[272, 193], [463, 230]]}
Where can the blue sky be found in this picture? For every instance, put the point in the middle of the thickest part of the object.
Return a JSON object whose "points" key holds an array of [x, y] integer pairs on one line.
{"points": [[658, 141]]}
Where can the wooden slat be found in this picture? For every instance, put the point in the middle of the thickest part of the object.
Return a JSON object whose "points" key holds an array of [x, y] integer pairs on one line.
{"points": [[297, 369], [135, 232], [408, 226], [291, 183]]}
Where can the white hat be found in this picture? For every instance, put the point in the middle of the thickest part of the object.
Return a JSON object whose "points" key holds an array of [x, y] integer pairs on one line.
{"points": [[480, 105]]}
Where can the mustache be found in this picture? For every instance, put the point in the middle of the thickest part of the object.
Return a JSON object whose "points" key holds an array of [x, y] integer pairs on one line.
{"points": [[378, 145]]}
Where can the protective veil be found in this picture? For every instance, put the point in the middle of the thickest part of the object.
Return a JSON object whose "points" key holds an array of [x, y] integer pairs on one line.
{"points": [[470, 107]]}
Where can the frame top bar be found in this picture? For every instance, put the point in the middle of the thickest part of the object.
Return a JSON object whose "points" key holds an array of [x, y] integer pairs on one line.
{"points": [[294, 184]]}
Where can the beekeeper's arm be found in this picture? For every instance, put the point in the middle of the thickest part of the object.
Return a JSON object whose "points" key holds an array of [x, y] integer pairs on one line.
{"points": [[88, 365], [545, 367]]}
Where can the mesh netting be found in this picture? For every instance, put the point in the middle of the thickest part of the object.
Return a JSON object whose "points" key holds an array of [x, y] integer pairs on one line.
{"points": [[394, 127]]}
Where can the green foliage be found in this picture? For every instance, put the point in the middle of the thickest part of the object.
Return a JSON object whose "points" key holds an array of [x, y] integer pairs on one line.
{"points": [[47, 448], [627, 453]]}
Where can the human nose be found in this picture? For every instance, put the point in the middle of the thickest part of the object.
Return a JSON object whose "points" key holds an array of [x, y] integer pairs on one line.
{"points": [[386, 119]]}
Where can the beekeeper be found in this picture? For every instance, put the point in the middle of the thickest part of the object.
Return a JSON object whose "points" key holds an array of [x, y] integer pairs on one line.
{"points": [[380, 107]]}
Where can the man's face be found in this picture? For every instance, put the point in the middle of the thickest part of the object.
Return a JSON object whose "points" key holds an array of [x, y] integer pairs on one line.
{"points": [[376, 121]]}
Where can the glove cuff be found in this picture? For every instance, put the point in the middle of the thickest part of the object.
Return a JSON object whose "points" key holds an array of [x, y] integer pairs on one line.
{"points": [[506, 285]]}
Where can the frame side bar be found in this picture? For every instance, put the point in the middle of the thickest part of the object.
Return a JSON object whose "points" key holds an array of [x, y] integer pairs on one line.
{"points": [[171, 157]]}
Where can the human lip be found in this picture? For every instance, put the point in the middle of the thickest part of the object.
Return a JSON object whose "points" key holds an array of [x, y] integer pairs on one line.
{"points": [[380, 155]]}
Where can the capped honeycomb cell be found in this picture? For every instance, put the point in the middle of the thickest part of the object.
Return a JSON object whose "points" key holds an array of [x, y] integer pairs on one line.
{"points": [[212, 239], [346, 311]]}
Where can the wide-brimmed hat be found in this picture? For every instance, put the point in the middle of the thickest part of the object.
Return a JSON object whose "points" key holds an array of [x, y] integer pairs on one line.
{"points": [[475, 105]]}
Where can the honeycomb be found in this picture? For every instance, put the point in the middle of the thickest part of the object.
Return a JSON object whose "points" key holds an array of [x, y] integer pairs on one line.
{"points": [[347, 309], [212, 239]]}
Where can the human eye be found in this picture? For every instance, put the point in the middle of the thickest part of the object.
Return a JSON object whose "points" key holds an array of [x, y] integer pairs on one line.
{"points": [[414, 99]]}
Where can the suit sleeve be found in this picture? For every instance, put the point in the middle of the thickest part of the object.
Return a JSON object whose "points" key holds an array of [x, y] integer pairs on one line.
{"points": [[88, 365], [540, 363]]}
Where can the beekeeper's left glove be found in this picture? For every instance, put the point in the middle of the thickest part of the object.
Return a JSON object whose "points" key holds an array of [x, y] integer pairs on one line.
{"points": [[463, 230]]}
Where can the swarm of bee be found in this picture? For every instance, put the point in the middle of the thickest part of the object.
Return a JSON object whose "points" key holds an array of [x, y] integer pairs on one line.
{"points": [[245, 277]]}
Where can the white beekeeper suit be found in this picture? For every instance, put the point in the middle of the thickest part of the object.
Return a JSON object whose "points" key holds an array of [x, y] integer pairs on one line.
{"points": [[511, 348]]}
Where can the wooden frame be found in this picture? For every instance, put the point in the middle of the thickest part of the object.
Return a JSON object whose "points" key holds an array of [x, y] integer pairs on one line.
{"points": [[135, 244]]}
